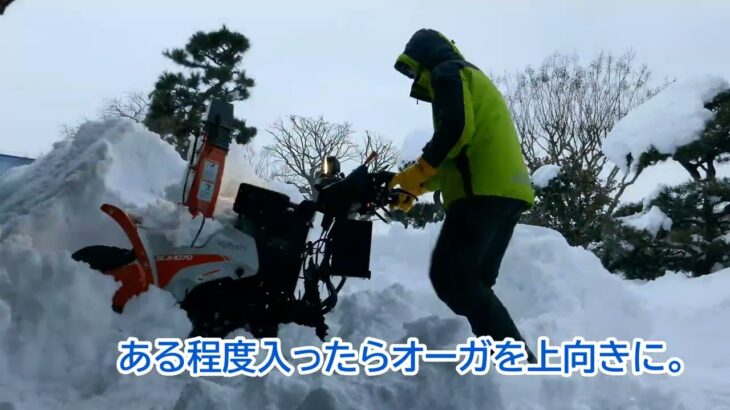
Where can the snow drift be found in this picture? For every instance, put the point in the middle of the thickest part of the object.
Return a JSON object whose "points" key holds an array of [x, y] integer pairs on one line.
{"points": [[58, 335]]}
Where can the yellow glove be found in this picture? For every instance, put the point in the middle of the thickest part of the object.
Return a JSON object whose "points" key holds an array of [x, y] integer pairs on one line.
{"points": [[413, 180]]}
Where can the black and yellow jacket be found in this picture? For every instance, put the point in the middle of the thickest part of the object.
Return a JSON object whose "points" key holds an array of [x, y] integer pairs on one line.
{"points": [[475, 146]]}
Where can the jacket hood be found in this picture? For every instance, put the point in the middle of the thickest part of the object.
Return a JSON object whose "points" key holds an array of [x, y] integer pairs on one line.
{"points": [[430, 48], [425, 50]]}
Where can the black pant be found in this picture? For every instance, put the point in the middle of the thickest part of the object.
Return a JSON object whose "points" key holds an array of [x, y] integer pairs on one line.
{"points": [[466, 260]]}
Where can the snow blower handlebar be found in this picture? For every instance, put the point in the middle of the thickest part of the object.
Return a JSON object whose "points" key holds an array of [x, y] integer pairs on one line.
{"points": [[361, 192], [343, 249]]}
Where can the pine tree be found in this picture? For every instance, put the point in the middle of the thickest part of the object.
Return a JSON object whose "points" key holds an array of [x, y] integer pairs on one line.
{"points": [[574, 203], [212, 69], [699, 239]]}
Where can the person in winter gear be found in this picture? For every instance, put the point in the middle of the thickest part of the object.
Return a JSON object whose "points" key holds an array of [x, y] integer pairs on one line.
{"points": [[475, 159]]}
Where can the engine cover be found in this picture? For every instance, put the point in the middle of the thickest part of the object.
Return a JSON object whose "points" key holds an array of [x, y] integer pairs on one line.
{"points": [[229, 253]]}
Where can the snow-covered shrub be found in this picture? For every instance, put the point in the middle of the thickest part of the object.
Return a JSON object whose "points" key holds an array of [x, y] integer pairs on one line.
{"points": [[571, 200], [686, 227]]}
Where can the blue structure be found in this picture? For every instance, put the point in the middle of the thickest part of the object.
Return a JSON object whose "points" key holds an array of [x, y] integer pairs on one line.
{"points": [[10, 161]]}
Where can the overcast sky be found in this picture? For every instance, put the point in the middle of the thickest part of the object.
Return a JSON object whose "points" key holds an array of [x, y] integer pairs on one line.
{"points": [[59, 60]]}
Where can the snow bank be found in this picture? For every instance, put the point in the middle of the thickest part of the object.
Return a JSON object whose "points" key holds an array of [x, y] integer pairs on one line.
{"points": [[542, 176], [176, 223], [58, 336], [685, 312], [651, 221], [56, 199], [674, 117]]}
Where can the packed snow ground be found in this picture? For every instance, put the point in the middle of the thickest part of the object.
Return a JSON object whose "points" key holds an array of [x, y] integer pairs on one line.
{"points": [[58, 335]]}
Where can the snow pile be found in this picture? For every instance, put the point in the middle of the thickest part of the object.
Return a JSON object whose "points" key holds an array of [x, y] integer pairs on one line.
{"points": [[56, 324], [176, 223], [61, 331], [57, 197], [542, 176], [651, 221], [673, 118], [685, 313], [58, 336]]}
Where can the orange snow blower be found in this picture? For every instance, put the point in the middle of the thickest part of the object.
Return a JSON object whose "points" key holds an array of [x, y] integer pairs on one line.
{"points": [[246, 274]]}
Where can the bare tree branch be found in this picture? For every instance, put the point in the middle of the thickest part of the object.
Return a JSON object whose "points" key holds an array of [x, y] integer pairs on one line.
{"points": [[262, 162], [563, 110], [300, 146], [133, 106], [69, 131], [387, 154]]}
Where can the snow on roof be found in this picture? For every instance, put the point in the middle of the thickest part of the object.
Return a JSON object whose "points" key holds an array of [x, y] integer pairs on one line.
{"points": [[673, 118]]}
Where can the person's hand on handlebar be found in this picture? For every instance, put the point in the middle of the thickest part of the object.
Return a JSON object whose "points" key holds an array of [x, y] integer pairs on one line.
{"points": [[412, 180]]}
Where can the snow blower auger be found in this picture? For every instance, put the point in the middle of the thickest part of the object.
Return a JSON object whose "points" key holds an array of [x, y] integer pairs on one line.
{"points": [[246, 275]]}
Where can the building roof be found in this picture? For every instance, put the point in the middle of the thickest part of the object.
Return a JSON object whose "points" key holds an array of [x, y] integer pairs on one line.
{"points": [[11, 161]]}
